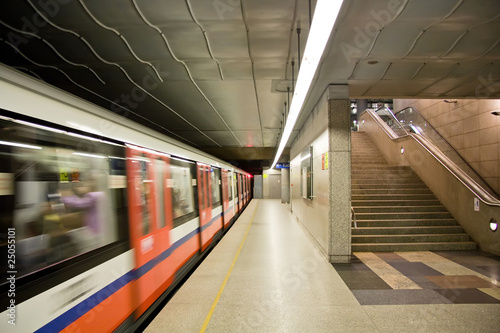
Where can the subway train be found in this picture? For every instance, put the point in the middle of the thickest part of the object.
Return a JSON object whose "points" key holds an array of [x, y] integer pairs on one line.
{"points": [[101, 218]]}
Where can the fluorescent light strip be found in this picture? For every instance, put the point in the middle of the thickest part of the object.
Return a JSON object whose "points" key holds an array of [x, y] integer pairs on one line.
{"points": [[15, 144], [325, 15], [90, 155]]}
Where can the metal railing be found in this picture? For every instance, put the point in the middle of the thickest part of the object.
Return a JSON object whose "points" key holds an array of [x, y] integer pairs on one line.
{"points": [[410, 122]]}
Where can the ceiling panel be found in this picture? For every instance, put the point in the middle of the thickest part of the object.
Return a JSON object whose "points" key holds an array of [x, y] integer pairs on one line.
{"points": [[228, 40], [160, 11], [478, 41], [236, 101], [236, 71], [402, 70]]}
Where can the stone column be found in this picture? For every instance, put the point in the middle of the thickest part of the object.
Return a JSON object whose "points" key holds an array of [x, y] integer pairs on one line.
{"points": [[339, 168], [285, 185]]}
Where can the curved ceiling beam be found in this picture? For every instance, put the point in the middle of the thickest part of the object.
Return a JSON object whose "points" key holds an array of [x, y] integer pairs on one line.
{"points": [[243, 15], [191, 12], [160, 32], [465, 33], [53, 49], [122, 38], [88, 90], [422, 32], [126, 75]]}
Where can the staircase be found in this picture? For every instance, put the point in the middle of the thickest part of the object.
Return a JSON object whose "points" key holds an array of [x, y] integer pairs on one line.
{"points": [[395, 211]]}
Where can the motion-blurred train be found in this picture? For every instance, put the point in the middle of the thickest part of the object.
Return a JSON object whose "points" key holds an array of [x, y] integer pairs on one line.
{"points": [[100, 217]]}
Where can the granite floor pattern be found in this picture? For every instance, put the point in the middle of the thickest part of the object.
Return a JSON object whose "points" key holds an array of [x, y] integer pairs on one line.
{"points": [[280, 282], [424, 277]]}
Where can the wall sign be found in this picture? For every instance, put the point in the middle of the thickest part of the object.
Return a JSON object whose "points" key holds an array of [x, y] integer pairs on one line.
{"points": [[282, 165]]}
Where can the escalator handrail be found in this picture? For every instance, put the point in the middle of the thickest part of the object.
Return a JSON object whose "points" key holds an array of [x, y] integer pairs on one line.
{"points": [[482, 194]]}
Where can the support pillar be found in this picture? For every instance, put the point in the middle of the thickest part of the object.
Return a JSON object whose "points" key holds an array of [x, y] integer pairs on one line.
{"points": [[339, 168], [285, 185]]}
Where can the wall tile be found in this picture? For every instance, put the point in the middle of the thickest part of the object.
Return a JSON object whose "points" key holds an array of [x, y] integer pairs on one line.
{"points": [[470, 109], [486, 120], [488, 136], [470, 154], [457, 141], [470, 128], [471, 124], [488, 152], [456, 128], [471, 139], [493, 182], [488, 169]]}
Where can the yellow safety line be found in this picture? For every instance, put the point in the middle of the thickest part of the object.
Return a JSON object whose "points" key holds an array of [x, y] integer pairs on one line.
{"points": [[212, 309]]}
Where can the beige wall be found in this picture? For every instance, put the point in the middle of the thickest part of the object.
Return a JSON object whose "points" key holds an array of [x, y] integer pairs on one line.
{"points": [[469, 127], [312, 214]]}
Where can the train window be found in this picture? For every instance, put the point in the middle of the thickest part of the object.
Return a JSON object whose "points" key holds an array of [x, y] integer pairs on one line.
{"points": [[58, 193], [206, 192], [230, 186], [145, 186], [160, 174], [215, 175], [181, 178]]}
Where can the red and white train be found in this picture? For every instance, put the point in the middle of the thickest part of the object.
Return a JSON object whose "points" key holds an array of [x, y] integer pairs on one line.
{"points": [[100, 217]]}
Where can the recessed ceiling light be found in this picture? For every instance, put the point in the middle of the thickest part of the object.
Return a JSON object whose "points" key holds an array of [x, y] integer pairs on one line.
{"points": [[495, 113], [493, 224], [372, 62], [324, 18]]}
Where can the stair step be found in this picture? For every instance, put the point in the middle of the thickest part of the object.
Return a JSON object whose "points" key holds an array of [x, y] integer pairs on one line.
{"points": [[386, 177], [400, 247], [387, 186], [455, 229], [427, 238], [405, 223], [390, 202], [393, 197], [394, 209], [399, 181], [403, 216], [392, 191], [383, 172], [399, 209], [383, 168]]}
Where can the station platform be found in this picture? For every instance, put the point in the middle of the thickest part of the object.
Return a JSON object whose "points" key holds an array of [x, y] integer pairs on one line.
{"points": [[265, 275]]}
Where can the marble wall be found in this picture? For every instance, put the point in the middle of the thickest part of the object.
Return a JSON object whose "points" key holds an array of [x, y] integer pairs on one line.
{"points": [[469, 127]]}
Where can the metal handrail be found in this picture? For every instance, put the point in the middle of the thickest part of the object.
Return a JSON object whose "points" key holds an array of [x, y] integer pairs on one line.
{"points": [[483, 195], [353, 218], [430, 133]]}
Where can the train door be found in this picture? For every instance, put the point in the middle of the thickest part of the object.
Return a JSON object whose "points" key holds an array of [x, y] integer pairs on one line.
{"points": [[226, 208], [142, 217], [240, 191], [245, 186], [204, 201], [236, 196]]}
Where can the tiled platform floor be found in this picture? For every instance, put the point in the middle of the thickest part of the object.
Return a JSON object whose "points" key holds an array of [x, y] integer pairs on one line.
{"points": [[468, 277], [266, 276]]}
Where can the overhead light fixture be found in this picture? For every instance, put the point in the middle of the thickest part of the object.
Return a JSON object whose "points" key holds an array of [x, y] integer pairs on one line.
{"points": [[17, 144], [495, 113], [325, 15]]}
